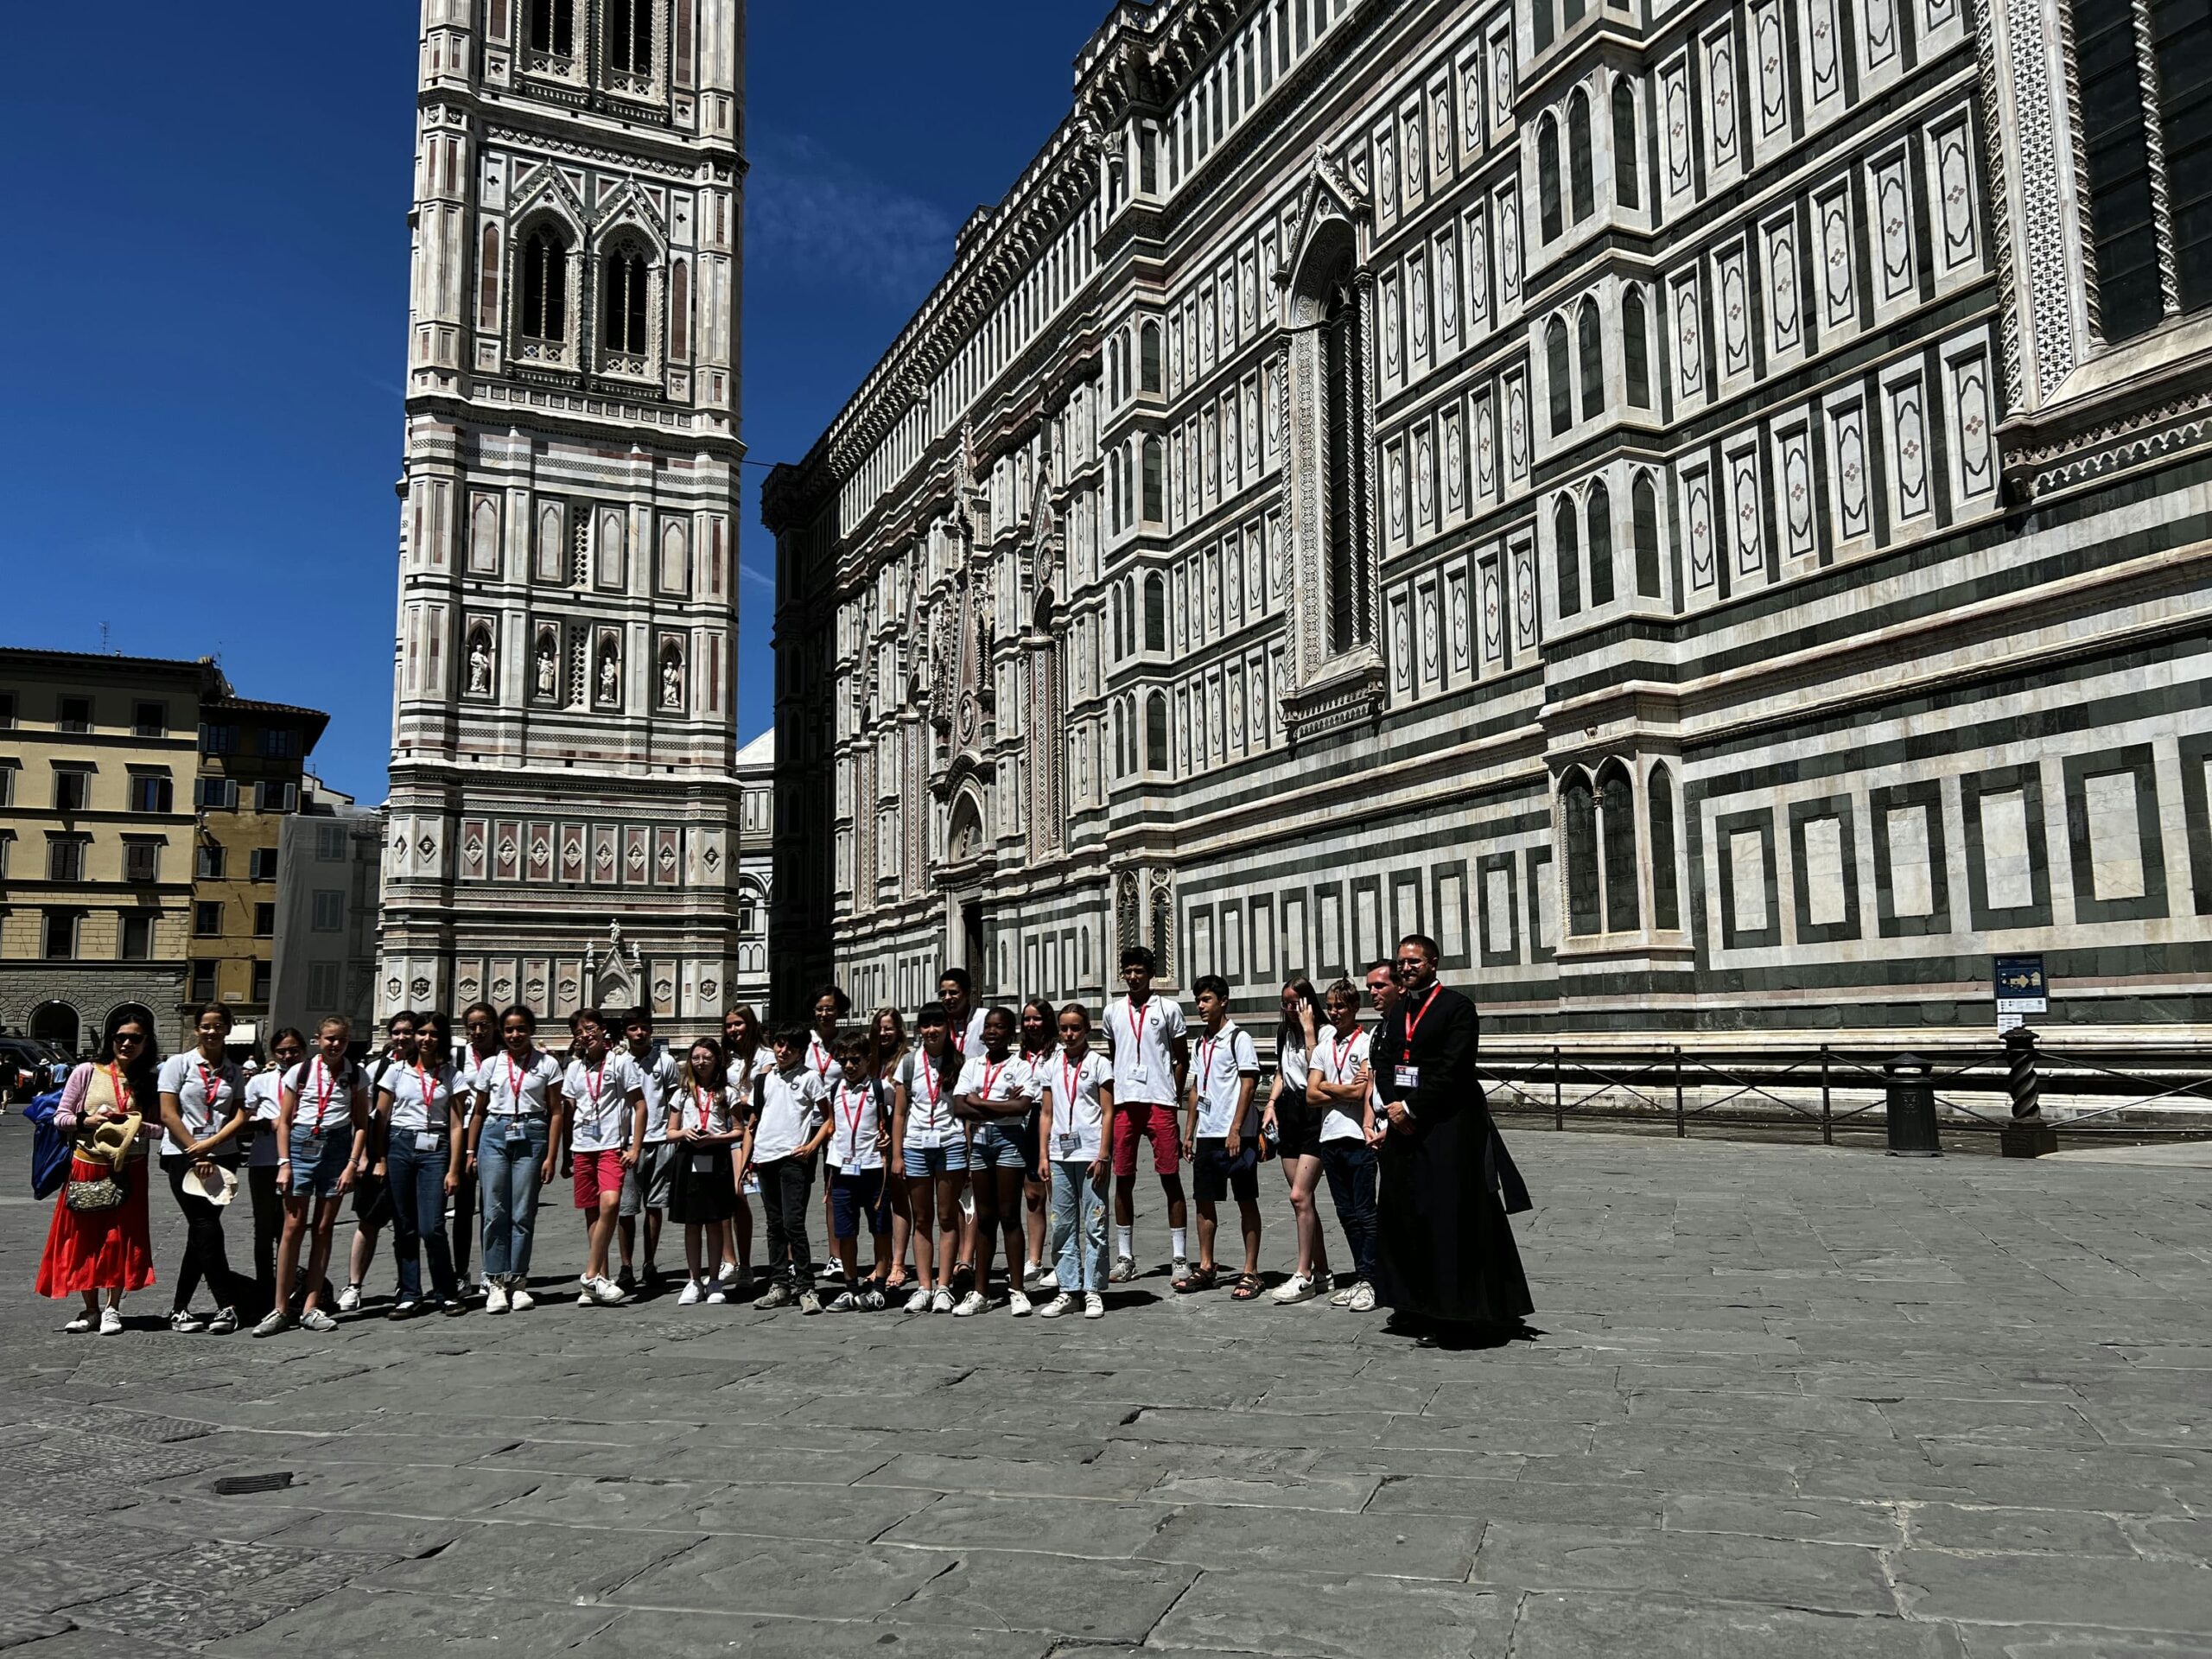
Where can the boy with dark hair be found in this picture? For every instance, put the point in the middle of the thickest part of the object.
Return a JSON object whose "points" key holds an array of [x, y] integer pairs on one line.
{"points": [[1224, 1136], [791, 1122], [1150, 1047], [648, 1183]]}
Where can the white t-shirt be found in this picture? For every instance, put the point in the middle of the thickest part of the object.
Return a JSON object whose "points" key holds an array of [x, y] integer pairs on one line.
{"points": [[472, 1074], [820, 1061], [790, 1105], [1219, 1062], [261, 1104], [207, 1092], [1292, 1062], [1336, 1058], [858, 1112], [744, 1083], [599, 1102], [519, 1089], [705, 1111], [930, 1101], [324, 1102], [1143, 1068], [657, 1076], [1011, 1078], [411, 1112], [969, 1040], [1078, 1106]]}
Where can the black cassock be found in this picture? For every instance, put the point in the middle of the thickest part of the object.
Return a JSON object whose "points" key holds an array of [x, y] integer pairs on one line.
{"points": [[1444, 1248]]}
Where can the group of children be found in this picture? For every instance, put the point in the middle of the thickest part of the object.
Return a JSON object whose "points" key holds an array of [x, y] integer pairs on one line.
{"points": [[991, 1128]]}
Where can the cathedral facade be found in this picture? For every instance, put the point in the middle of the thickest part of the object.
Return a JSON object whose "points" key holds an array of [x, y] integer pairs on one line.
{"points": [[563, 824], [1701, 507]]}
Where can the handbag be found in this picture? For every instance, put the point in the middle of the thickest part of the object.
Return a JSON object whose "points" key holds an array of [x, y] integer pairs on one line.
{"points": [[50, 1151], [109, 1142]]}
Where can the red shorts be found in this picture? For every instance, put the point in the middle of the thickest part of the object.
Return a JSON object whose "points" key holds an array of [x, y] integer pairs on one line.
{"points": [[598, 1174], [1157, 1123]]}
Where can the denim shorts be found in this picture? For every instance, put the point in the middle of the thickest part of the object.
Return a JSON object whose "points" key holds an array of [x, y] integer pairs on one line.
{"points": [[318, 1162], [950, 1159], [994, 1148]]}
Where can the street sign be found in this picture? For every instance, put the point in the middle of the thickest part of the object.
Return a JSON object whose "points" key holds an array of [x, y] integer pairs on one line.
{"points": [[2021, 990]]}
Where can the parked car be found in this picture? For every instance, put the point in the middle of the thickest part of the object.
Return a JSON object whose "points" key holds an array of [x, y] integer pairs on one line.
{"points": [[30, 1067]]}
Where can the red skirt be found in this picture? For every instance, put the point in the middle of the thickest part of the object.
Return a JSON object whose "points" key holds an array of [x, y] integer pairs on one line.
{"points": [[99, 1249]]}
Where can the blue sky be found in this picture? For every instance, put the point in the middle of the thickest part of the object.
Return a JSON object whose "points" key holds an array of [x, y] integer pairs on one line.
{"points": [[207, 286]]}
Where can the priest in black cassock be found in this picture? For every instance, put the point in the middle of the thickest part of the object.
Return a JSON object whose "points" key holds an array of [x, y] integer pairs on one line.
{"points": [[1446, 1260]]}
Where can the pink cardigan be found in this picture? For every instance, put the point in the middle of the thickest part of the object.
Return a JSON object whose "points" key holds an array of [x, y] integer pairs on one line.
{"points": [[73, 1096]]}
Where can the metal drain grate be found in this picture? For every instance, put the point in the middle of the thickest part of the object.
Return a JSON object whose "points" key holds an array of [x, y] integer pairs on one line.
{"points": [[246, 1486]]}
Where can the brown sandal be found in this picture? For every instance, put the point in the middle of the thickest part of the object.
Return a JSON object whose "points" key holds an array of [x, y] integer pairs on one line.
{"points": [[1198, 1278], [1246, 1287]]}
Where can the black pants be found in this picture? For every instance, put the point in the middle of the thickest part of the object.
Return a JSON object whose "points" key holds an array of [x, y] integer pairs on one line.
{"points": [[268, 1229], [205, 1258], [784, 1185]]}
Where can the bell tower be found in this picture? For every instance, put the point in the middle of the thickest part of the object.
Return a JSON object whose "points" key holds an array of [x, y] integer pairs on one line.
{"points": [[564, 671]]}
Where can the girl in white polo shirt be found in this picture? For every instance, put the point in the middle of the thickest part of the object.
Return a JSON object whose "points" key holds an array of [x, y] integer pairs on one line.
{"points": [[418, 1101], [514, 1140], [203, 1101], [322, 1132], [997, 1088], [1076, 1130], [929, 1144], [702, 1125], [1342, 1082]]}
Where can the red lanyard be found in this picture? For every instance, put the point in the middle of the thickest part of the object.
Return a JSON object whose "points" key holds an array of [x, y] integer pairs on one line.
{"points": [[322, 1094], [597, 1081], [422, 1084], [928, 1068], [207, 1087], [1342, 1049], [1070, 1075], [1136, 1024], [1206, 1046], [706, 1109], [1414, 1015], [990, 1076], [514, 1082], [822, 1064], [853, 1117]]}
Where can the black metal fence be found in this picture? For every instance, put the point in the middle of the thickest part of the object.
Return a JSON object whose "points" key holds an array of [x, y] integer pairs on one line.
{"points": [[2027, 1093]]}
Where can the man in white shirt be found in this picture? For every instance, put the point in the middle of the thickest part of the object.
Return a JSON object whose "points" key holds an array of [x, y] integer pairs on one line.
{"points": [[606, 1128], [648, 1183], [956, 988], [791, 1123], [1151, 1055], [1224, 1136]]}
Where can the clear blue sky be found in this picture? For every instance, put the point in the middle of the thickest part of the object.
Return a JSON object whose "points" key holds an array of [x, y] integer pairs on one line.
{"points": [[206, 288]]}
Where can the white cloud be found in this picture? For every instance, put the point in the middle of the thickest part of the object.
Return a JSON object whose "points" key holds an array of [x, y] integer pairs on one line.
{"points": [[759, 578], [814, 213]]}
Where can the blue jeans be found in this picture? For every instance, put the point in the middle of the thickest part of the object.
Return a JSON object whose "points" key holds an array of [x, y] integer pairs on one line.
{"points": [[417, 1181], [1078, 1227], [1350, 1167], [509, 1183]]}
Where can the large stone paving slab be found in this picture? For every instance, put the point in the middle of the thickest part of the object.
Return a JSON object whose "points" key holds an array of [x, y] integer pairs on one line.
{"points": [[1780, 1400]]}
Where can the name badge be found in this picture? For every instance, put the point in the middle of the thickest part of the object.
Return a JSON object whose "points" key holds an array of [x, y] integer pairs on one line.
{"points": [[703, 1163], [517, 1135], [1408, 1076], [426, 1140], [1068, 1144], [1137, 1072]]}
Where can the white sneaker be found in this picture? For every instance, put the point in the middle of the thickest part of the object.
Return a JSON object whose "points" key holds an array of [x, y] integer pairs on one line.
{"points": [[111, 1322], [971, 1305], [349, 1299], [917, 1303], [1362, 1298], [1342, 1298], [717, 1297], [274, 1323], [1048, 1279], [84, 1325], [726, 1272], [1125, 1269], [1061, 1303], [1182, 1270], [1017, 1303], [495, 1298], [1094, 1305], [521, 1301], [1296, 1288], [607, 1293], [809, 1302], [315, 1319], [185, 1321], [584, 1297], [689, 1295], [941, 1302]]}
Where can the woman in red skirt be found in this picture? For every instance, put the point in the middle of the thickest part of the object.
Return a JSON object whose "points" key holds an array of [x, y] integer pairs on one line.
{"points": [[100, 1254]]}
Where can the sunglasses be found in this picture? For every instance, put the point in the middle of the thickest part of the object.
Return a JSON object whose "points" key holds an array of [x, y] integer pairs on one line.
{"points": [[129, 1037]]}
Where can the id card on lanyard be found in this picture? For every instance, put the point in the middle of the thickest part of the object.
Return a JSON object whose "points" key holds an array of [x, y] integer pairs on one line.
{"points": [[1408, 1076], [431, 1135], [1069, 1139], [1137, 1013], [517, 1132], [703, 1163]]}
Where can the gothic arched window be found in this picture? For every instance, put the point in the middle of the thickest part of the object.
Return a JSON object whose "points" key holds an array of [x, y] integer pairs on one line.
{"points": [[1643, 511], [1627, 189], [1589, 344], [553, 27], [1559, 375], [630, 36], [1155, 612], [1597, 519], [1617, 821], [1155, 481], [1566, 546], [1547, 178], [1148, 357], [679, 310], [1636, 350], [546, 286], [1580, 170], [1579, 819], [1666, 909], [1345, 453], [622, 299], [1155, 732], [487, 280]]}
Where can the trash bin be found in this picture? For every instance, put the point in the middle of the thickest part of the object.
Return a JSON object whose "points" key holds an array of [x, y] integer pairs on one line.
{"points": [[1912, 1108]]}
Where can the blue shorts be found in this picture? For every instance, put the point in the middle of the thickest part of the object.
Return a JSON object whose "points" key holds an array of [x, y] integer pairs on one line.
{"points": [[950, 1159], [861, 1193], [318, 1164], [999, 1148]]}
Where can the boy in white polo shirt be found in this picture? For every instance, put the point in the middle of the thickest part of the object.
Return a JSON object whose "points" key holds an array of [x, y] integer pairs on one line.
{"points": [[646, 1183], [606, 1128], [1224, 1135], [1152, 1055], [791, 1121]]}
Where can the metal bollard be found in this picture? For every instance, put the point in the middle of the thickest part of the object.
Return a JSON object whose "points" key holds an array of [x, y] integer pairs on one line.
{"points": [[2027, 1137], [1911, 1109]]}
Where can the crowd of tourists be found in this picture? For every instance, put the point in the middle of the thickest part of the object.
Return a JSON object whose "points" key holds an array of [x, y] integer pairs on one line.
{"points": [[979, 1150]]}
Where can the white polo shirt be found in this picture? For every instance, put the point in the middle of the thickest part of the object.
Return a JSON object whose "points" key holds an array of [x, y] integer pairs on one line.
{"points": [[1076, 1090], [1144, 1070], [789, 1106], [512, 1088], [261, 1104], [323, 1101], [858, 1112], [930, 1100], [419, 1097], [997, 1081], [1293, 1063], [702, 1111], [1219, 1062], [207, 1093], [599, 1102], [969, 1040], [657, 1076], [745, 1077], [1336, 1058]]}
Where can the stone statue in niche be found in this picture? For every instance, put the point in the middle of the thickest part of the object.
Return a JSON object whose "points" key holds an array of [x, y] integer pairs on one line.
{"points": [[548, 668], [672, 680], [480, 664], [610, 673]]}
